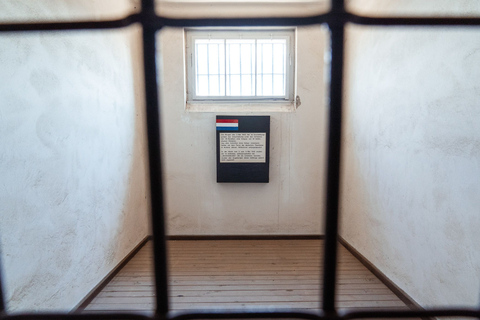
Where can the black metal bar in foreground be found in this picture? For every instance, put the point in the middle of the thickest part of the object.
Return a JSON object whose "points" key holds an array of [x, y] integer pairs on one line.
{"points": [[76, 316], [155, 161], [246, 314], [158, 22], [77, 25], [333, 160], [330, 17], [2, 297], [413, 21], [341, 315], [432, 313], [256, 314]]}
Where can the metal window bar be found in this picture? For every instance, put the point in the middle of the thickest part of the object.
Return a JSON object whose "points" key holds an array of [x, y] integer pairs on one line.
{"points": [[208, 69], [240, 66], [219, 71], [273, 68], [336, 19], [260, 58]]}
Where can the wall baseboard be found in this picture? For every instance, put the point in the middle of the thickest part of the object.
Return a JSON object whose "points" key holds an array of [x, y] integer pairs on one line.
{"points": [[246, 237], [96, 290], [409, 301]]}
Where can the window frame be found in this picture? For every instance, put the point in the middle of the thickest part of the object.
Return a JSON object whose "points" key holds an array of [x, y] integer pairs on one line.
{"points": [[287, 33]]}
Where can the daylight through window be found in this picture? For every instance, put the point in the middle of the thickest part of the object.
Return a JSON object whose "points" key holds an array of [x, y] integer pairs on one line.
{"points": [[240, 65]]}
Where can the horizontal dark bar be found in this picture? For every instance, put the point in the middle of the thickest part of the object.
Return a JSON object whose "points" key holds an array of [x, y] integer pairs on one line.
{"points": [[250, 314], [160, 22], [413, 21], [245, 237], [76, 316], [247, 314], [80, 25], [451, 312], [245, 22]]}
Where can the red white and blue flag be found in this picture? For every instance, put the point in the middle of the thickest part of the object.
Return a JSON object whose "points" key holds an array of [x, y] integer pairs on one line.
{"points": [[227, 124]]}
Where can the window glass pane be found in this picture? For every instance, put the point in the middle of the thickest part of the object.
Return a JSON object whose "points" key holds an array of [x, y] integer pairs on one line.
{"points": [[279, 60], [221, 57], [271, 67], [214, 85], [259, 84], [247, 52], [202, 85], [240, 67], [247, 85], [267, 57], [233, 85], [213, 59], [233, 57], [202, 58], [210, 67], [222, 85], [267, 85], [278, 85], [237, 67]]}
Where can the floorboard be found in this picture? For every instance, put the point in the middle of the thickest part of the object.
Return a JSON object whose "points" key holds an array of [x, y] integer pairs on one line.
{"points": [[239, 274]]}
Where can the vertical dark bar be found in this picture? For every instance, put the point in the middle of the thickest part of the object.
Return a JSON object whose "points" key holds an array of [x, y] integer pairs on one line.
{"points": [[2, 301], [154, 158], [333, 162]]}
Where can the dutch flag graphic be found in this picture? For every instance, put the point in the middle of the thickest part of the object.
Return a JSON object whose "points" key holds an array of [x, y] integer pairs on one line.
{"points": [[227, 124]]}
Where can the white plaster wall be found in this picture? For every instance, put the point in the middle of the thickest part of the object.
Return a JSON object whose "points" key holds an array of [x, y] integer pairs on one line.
{"points": [[411, 170], [57, 10], [293, 200], [73, 183]]}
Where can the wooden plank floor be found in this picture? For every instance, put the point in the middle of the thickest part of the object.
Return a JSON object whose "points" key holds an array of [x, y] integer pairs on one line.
{"points": [[243, 274]]}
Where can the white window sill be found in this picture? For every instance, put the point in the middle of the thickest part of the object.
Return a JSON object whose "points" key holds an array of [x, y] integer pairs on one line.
{"points": [[240, 107]]}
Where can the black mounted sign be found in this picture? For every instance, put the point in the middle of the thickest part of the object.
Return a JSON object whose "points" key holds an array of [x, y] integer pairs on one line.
{"points": [[243, 148]]}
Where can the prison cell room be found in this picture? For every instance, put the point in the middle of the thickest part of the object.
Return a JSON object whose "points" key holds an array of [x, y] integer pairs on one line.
{"points": [[243, 274], [77, 140]]}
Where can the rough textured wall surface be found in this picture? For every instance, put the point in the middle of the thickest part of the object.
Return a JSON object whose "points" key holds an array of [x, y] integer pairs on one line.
{"points": [[412, 155], [293, 200], [73, 182]]}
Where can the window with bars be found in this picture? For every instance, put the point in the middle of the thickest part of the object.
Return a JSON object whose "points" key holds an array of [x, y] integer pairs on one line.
{"points": [[240, 65]]}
